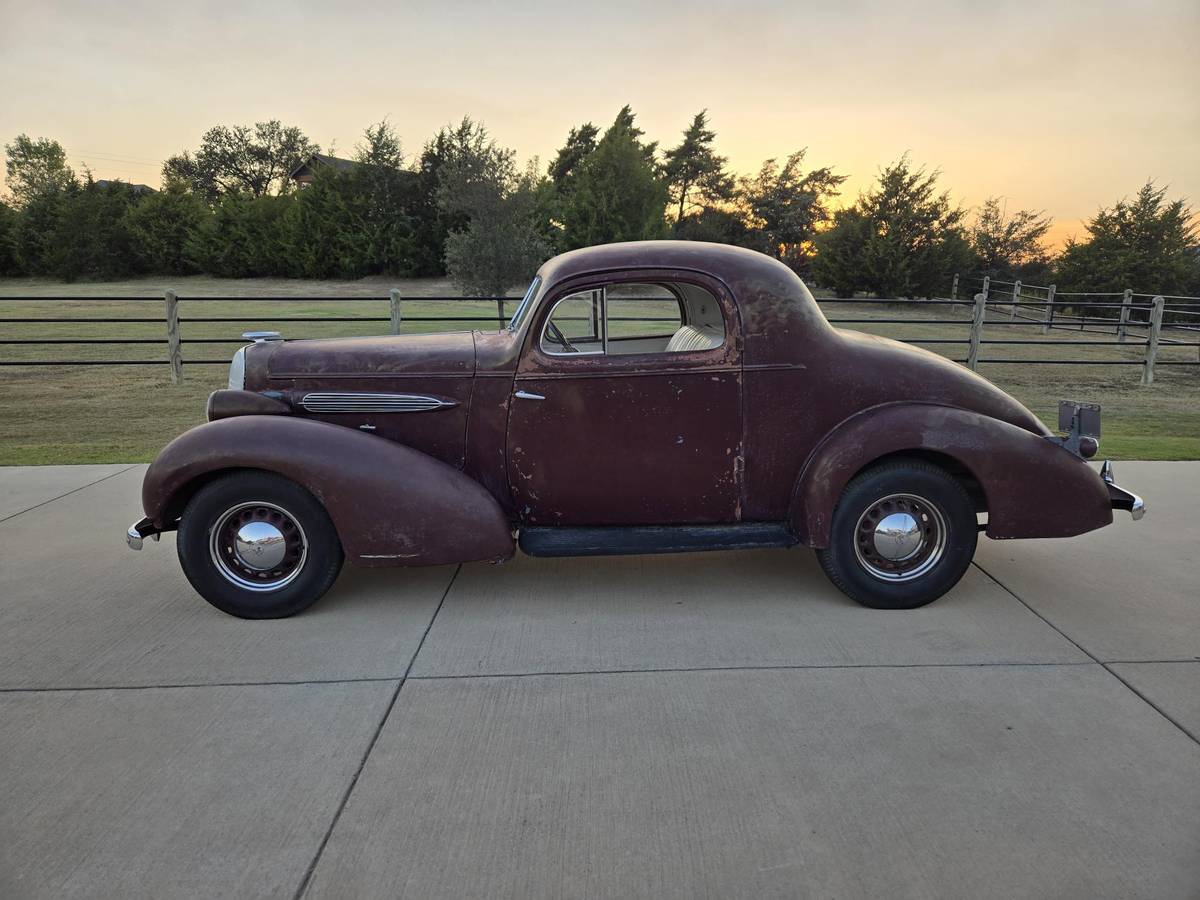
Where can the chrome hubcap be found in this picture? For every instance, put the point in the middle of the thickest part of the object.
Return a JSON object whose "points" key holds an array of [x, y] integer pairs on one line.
{"points": [[900, 537], [897, 537], [258, 546]]}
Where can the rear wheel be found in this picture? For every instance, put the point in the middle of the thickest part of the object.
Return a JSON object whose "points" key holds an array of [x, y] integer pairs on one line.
{"points": [[258, 546], [903, 534]]}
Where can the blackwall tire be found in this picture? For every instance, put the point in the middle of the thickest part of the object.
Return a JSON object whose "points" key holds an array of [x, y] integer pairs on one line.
{"points": [[903, 534], [258, 546]]}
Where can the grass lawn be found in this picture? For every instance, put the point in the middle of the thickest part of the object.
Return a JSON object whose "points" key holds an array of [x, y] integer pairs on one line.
{"points": [[83, 414]]}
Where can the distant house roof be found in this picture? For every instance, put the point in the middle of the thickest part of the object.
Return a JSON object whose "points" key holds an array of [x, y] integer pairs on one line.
{"points": [[136, 188], [304, 172]]}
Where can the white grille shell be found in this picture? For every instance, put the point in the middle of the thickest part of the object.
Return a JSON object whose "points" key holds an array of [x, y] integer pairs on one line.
{"points": [[237, 371]]}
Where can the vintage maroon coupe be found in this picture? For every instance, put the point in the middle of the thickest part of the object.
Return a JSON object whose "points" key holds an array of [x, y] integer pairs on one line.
{"points": [[648, 397]]}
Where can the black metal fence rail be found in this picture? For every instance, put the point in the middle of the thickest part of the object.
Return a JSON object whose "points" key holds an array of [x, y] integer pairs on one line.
{"points": [[1150, 345], [172, 319], [1017, 307], [1064, 309], [1175, 325]]}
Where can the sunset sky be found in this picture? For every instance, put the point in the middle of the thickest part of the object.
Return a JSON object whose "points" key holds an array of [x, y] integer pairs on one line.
{"points": [[1061, 106]]}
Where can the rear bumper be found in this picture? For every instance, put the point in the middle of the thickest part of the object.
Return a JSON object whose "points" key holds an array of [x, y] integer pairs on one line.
{"points": [[1119, 497], [139, 531]]}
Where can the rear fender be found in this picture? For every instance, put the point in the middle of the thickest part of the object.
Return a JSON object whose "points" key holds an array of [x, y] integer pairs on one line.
{"points": [[1033, 488], [390, 504]]}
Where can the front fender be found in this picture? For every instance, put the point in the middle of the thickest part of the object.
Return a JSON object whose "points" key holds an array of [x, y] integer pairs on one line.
{"points": [[390, 504], [1033, 488]]}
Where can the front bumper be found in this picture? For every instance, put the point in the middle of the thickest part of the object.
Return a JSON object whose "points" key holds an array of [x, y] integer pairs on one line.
{"points": [[1118, 496], [139, 531]]}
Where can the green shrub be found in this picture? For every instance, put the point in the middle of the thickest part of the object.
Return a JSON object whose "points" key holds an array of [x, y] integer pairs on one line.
{"points": [[243, 238], [91, 237], [165, 227]]}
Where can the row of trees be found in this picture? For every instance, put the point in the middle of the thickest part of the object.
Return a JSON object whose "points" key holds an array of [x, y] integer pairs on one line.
{"points": [[464, 206]]}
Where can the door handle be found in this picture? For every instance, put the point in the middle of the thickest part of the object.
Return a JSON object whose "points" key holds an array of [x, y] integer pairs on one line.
{"points": [[526, 395]]}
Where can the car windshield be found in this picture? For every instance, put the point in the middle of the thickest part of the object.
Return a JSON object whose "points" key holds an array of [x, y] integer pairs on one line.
{"points": [[527, 301]]}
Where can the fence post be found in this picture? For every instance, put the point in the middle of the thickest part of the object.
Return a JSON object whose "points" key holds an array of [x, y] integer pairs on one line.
{"points": [[500, 311], [1125, 301], [954, 287], [1049, 309], [976, 331], [987, 286], [1016, 298], [1156, 316], [394, 309], [174, 352]]}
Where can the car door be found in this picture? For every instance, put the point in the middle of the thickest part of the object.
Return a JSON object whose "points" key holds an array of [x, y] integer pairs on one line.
{"points": [[627, 405]]}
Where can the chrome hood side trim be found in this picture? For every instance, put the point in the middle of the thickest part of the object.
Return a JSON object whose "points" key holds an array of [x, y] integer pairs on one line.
{"points": [[362, 402]]}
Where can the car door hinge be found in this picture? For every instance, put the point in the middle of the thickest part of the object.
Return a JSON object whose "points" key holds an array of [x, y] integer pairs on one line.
{"points": [[739, 469]]}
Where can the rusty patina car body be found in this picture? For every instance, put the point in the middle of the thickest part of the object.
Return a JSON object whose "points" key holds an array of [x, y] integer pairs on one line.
{"points": [[744, 427]]}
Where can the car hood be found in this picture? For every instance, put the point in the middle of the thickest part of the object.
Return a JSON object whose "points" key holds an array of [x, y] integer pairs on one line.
{"points": [[889, 371], [451, 353]]}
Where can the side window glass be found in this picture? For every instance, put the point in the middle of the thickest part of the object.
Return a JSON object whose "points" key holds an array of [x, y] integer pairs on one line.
{"points": [[663, 318], [642, 318], [575, 325], [629, 318]]}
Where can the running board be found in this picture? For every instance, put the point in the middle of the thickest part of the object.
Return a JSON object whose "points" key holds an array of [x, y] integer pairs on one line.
{"points": [[616, 540]]}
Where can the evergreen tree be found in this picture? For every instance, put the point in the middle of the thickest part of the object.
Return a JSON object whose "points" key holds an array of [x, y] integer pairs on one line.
{"points": [[840, 251], [581, 141], [432, 219], [719, 225], [91, 237], [322, 229], [164, 227], [1148, 243], [388, 194], [34, 231], [786, 207], [554, 191], [616, 194], [694, 174], [901, 239], [8, 241], [244, 238], [429, 228], [1008, 246]]}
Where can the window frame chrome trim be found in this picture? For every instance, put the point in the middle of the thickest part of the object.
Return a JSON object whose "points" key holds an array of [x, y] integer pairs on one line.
{"points": [[522, 310]]}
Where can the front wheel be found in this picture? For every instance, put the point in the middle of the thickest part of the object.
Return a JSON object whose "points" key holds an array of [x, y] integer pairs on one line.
{"points": [[258, 546], [903, 534]]}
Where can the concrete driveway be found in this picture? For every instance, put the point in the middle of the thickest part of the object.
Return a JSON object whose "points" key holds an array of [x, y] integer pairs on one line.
{"points": [[705, 725]]}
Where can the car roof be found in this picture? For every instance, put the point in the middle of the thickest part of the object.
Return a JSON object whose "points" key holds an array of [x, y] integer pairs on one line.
{"points": [[696, 255]]}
